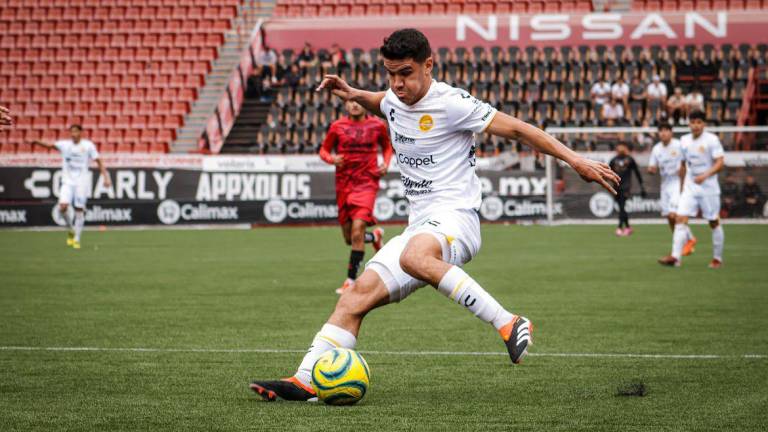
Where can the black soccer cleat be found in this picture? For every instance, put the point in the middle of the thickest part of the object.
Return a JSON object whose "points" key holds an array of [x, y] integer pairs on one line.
{"points": [[518, 336], [290, 389]]}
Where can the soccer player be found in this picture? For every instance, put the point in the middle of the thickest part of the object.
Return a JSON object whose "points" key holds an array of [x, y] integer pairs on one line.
{"points": [[624, 165], [5, 116], [76, 154], [432, 128], [355, 140], [704, 158], [667, 160]]}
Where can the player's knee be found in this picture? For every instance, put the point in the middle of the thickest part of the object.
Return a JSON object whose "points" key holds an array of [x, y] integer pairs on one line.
{"points": [[714, 223], [411, 262], [63, 207], [681, 219]]}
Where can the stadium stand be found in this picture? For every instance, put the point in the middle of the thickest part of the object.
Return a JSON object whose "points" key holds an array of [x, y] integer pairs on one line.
{"points": [[548, 87], [126, 70]]}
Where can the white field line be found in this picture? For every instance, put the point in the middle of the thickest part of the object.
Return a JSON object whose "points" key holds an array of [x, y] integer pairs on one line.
{"points": [[393, 353]]}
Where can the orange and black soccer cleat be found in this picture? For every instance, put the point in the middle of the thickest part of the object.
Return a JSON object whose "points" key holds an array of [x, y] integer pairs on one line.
{"points": [[290, 389], [378, 238], [690, 246], [518, 336]]}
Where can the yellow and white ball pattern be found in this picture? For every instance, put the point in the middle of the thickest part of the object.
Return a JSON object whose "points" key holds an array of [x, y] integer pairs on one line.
{"points": [[340, 377]]}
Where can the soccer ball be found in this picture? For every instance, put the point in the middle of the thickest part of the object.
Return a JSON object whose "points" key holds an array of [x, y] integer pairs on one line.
{"points": [[340, 377]]}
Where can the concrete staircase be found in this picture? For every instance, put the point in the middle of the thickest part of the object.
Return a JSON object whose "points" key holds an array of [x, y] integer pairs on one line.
{"points": [[235, 40]]}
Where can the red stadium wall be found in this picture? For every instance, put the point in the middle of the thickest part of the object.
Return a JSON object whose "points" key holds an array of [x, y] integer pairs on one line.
{"points": [[661, 28]]}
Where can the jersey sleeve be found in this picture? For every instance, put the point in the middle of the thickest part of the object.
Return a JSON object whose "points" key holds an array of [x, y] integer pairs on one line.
{"points": [[385, 143], [60, 144], [653, 161], [716, 148], [465, 112], [328, 144], [93, 153]]}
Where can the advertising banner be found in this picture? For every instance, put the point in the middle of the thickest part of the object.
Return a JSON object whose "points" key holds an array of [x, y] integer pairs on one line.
{"points": [[264, 191]]}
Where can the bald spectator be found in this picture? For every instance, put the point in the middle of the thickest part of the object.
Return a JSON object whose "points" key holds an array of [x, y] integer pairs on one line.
{"points": [[5, 116]]}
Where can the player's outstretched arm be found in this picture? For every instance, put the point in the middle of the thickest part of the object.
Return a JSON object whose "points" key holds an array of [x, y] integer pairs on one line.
{"points": [[5, 116], [371, 101], [43, 144], [506, 126]]}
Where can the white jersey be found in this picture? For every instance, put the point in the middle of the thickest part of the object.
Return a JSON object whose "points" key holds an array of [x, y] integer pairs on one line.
{"points": [[435, 146], [700, 154], [75, 159], [668, 159]]}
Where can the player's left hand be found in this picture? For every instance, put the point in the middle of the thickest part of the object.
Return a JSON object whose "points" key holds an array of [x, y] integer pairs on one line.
{"points": [[5, 116], [383, 169], [699, 179], [598, 172]]}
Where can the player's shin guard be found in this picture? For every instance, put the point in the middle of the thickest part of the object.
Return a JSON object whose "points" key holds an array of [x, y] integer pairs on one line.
{"points": [[718, 240], [79, 222], [459, 287], [679, 238], [328, 338]]}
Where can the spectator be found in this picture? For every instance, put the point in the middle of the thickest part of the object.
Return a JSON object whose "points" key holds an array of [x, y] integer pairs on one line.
{"points": [[752, 196], [613, 113], [637, 90], [694, 101], [338, 57], [620, 91], [676, 106], [266, 63], [307, 57], [600, 93], [656, 95], [730, 196], [292, 77]]}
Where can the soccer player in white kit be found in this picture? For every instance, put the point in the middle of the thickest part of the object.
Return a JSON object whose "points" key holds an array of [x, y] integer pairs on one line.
{"points": [[704, 158], [667, 160], [76, 155], [432, 129]]}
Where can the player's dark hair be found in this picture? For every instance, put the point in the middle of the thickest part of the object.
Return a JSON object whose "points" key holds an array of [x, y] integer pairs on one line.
{"points": [[76, 126], [697, 115], [406, 43], [665, 126]]}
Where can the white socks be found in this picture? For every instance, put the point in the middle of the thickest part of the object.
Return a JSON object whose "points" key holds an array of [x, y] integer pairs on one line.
{"points": [[688, 232], [67, 216], [718, 239], [328, 338], [458, 286], [679, 237], [79, 222]]}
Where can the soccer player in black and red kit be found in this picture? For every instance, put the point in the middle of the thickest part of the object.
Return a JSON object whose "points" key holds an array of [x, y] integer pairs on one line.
{"points": [[354, 141], [624, 165]]}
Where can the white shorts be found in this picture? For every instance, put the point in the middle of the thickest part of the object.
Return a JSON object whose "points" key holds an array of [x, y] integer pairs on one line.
{"points": [[670, 197], [458, 231], [73, 194], [690, 205]]}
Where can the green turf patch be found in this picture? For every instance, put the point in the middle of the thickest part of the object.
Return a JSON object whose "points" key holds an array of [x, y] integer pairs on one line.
{"points": [[587, 291]]}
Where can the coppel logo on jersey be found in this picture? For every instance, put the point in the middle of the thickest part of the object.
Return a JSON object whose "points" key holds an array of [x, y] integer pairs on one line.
{"points": [[415, 162]]}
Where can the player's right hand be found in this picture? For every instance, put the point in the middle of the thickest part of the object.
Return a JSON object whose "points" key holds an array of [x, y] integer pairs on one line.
{"points": [[598, 172], [338, 160], [5, 116], [337, 86]]}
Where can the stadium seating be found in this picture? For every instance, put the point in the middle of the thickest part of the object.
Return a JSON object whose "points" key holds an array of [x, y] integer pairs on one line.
{"points": [[543, 86], [128, 70], [327, 8]]}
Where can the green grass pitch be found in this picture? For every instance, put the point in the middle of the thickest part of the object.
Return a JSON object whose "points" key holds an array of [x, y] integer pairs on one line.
{"points": [[197, 297]]}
